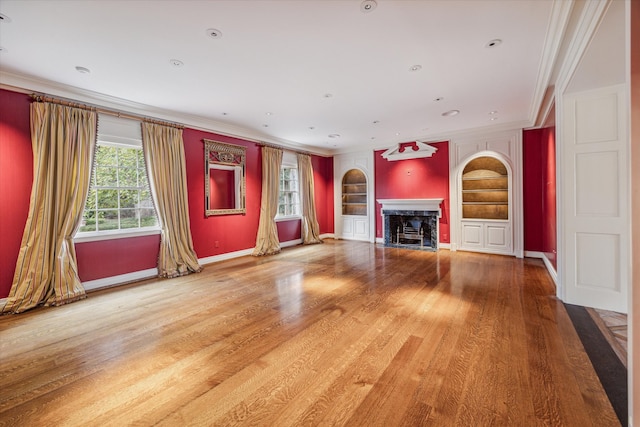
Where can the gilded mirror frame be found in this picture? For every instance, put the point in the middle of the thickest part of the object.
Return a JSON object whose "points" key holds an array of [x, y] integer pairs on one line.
{"points": [[227, 157]]}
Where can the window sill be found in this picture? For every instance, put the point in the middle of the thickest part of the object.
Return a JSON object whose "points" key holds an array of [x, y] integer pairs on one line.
{"points": [[95, 236], [288, 218]]}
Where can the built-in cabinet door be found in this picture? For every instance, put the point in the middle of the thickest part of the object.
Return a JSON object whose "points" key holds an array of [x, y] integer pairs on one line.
{"points": [[486, 236]]}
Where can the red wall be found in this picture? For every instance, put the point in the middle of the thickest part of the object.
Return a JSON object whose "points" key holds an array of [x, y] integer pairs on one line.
{"points": [[105, 258], [425, 178], [211, 235], [16, 174], [539, 189], [323, 187]]}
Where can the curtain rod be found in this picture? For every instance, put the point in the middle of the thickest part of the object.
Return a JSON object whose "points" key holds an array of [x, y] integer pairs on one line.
{"points": [[121, 114]]}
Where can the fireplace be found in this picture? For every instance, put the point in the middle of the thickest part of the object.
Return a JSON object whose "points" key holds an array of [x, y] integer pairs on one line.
{"points": [[411, 223]]}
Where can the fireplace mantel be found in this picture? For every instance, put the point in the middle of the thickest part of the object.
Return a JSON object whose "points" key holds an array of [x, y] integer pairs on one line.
{"points": [[411, 205]]}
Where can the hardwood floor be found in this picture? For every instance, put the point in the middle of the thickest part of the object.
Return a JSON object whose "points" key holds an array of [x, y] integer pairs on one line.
{"points": [[343, 333]]}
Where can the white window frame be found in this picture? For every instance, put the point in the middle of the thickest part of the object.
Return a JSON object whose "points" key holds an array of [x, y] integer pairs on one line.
{"points": [[124, 133], [289, 161]]}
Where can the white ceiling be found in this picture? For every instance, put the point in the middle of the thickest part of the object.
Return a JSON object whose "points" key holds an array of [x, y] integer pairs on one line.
{"points": [[283, 58]]}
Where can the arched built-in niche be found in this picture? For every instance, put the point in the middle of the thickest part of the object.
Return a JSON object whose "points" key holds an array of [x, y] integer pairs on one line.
{"points": [[484, 203], [354, 201], [354, 193], [485, 189]]}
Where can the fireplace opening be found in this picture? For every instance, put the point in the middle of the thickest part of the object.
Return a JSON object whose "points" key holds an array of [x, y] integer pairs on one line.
{"points": [[411, 229]]}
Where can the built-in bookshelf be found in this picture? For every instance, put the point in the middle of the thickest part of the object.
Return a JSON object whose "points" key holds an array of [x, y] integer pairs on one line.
{"points": [[354, 193], [485, 189]]}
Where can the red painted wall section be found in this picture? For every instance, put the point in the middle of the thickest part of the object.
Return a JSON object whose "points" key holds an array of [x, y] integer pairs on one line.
{"points": [[425, 178], [539, 189], [323, 187], [16, 175], [289, 230], [106, 258]]}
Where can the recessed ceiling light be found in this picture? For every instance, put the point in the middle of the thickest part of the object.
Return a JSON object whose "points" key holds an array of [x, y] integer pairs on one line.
{"points": [[328, 95], [494, 118], [493, 43], [312, 127], [214, 33], [176, 62], [268, 113], [416, 67], [451, 113], [4, 18], [491, 113], [397, 133], [375, 122], [265, 125], [438, 99], [368, 5], [3, 50], [334, 135], [224, 114], [83, 70], [373, 137]]}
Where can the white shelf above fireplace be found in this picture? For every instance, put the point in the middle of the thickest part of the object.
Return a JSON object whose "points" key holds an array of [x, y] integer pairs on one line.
{"points": [[411, 205]]}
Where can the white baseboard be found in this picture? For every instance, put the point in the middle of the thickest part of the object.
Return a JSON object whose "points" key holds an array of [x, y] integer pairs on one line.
{"points": [[327, 236], [290, 243], [223, 257], [380, 240], [541, 255], [121, 279]]}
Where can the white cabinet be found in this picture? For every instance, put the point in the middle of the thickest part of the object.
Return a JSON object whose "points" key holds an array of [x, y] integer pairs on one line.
{"points": [[486, 236]]}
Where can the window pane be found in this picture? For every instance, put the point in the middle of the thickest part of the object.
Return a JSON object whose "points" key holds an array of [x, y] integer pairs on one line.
{"points": [[128, 177], [148, 218], [107, 199], [106, 176], [128, 198], [106, 156], [145, 199], [128, 158], [108, 220], [128, 218]]}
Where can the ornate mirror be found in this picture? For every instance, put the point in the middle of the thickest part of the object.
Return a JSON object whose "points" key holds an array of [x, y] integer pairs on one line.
{"points": [[224, 181]]}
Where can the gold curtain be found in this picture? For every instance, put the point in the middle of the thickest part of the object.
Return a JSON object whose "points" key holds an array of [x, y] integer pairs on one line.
{"points": [[164, 156], [310, 227], [63, 139], [267, 242]]}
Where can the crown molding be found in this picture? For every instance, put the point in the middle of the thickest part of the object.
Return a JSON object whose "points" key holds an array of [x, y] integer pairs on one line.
{"points": [[558, 23], [30, 84], [588, 23]]}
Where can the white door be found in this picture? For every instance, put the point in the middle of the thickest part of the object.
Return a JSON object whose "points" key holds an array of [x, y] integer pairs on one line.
{"points": [[595, 200]]}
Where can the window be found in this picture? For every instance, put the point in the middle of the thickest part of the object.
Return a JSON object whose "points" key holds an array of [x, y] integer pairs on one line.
{"points": [[119, 199], [289, 199]]}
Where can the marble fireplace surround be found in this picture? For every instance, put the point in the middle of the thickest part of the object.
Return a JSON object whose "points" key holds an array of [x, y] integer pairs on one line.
{"points": [[406, 217]]}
